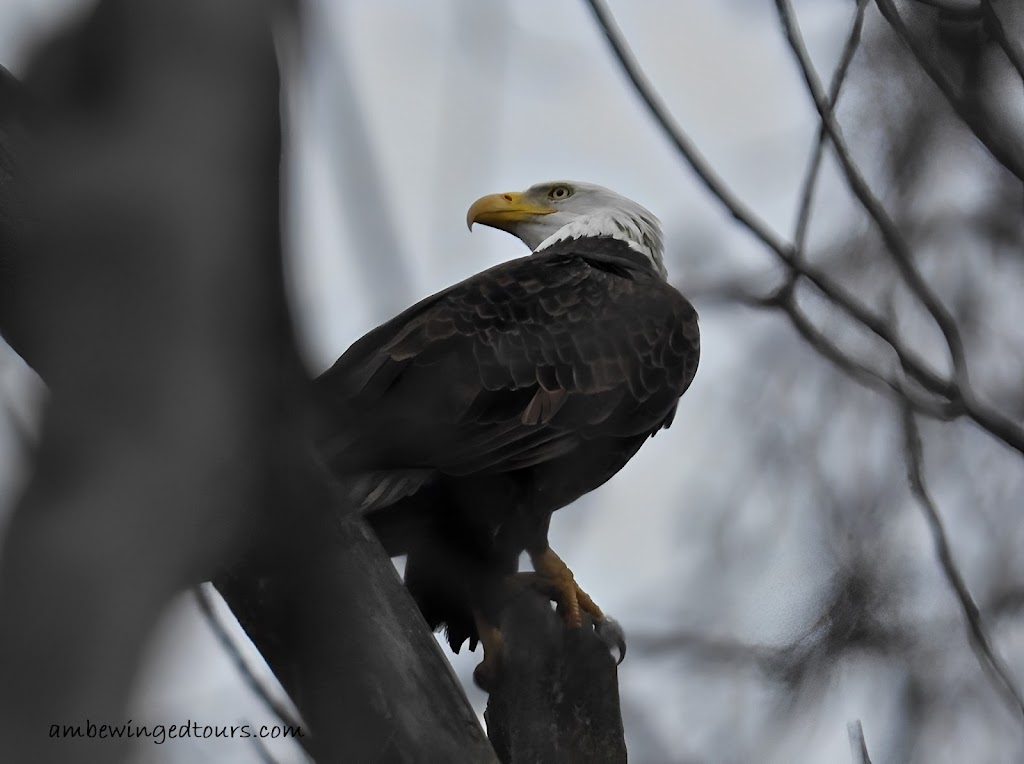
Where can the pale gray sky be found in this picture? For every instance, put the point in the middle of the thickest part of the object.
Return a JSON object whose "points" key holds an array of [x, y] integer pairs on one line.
{"points": [[461, 98]]}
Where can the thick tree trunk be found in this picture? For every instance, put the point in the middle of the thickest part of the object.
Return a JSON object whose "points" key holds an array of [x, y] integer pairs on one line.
{"points": [[140, 273], [143, 281]]}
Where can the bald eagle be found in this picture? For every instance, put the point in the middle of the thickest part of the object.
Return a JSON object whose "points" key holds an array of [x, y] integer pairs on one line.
{"points": [[462, 424]]}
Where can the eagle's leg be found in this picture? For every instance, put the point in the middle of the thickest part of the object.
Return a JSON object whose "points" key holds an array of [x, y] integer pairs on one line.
{"points": [[487, 672], [554, 578]]}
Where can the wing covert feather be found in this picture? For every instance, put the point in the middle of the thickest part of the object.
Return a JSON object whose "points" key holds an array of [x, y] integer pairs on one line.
{"points": [[512, 367]]}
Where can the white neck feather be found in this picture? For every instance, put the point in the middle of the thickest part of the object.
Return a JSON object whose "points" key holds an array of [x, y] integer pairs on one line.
{"points": [[641, 233]]}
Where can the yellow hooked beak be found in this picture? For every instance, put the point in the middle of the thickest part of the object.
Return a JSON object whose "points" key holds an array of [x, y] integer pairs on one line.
{"points": [[505, 210]]}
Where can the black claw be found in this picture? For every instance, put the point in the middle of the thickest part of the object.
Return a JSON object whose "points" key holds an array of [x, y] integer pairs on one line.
{"points": [[611, 633]]}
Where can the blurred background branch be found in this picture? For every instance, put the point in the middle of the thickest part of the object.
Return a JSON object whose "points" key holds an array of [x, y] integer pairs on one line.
{"points": [[858, 746], [980, 638], [259, 688], [810, 180], [1013, 48], [1002, 146]]}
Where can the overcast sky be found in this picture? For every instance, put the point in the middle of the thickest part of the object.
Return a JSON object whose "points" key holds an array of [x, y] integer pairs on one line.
{"points": [[404, 112]]}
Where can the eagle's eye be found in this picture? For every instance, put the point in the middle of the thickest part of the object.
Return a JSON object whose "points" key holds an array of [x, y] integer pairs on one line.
{"points": [[559, 192]]}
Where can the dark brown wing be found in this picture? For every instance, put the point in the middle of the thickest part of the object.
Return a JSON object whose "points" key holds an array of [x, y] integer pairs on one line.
{"points": [[513, 367]]}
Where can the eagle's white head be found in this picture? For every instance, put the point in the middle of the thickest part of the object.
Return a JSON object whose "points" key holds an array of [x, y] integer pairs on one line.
{"points": [[550, 212]]}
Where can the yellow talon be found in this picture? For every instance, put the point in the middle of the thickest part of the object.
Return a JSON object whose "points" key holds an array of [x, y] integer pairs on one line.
{"points": [[554, 576]]}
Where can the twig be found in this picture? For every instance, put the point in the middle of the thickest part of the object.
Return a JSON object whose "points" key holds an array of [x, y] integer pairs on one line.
{"points": [[909, 360], [263, 751], [995, 25], [814, 165], [858, 372], [23, 432], [979, 637], [355, 170], [259, 688], [914, 365], [783, 299], [891, 234], [683, 143], [981, 128], [952, 9], [998, 425], [858, 746]]}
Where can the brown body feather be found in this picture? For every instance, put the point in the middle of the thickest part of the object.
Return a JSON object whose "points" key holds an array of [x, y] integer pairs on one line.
{"points": [[463, 423]]}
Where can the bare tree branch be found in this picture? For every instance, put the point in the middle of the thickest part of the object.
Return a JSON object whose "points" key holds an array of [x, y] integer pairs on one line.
{"points": [[356, 171], [991, 140], [891, 234], [995, 25], [953, 8], [784, 299], [914, 365], [24, 433], [682, 142], [258, 687], [263, 751], [859, 372], [985, 416], [858, 746], [990, 419], [990, 661], [814, 165]]}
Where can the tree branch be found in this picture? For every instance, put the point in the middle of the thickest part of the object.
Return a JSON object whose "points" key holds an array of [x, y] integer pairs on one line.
{"points": [[807, 187], [254, 683], [995, 24], [990, 419], [909, 360], [163, 388], [558, 699], [325, 607], [680, 140], [891, 234], [176, 442], [956, 393], [991, 140], [952, 9], [858, 746], [980, 640], [857, 371]]}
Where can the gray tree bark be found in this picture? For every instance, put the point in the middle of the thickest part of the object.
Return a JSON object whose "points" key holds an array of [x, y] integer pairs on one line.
{"points": [[141, 276], [559, 697]]}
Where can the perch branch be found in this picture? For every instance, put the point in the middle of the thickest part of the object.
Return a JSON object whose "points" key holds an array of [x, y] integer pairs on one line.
{"points": [[559, 696]]}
